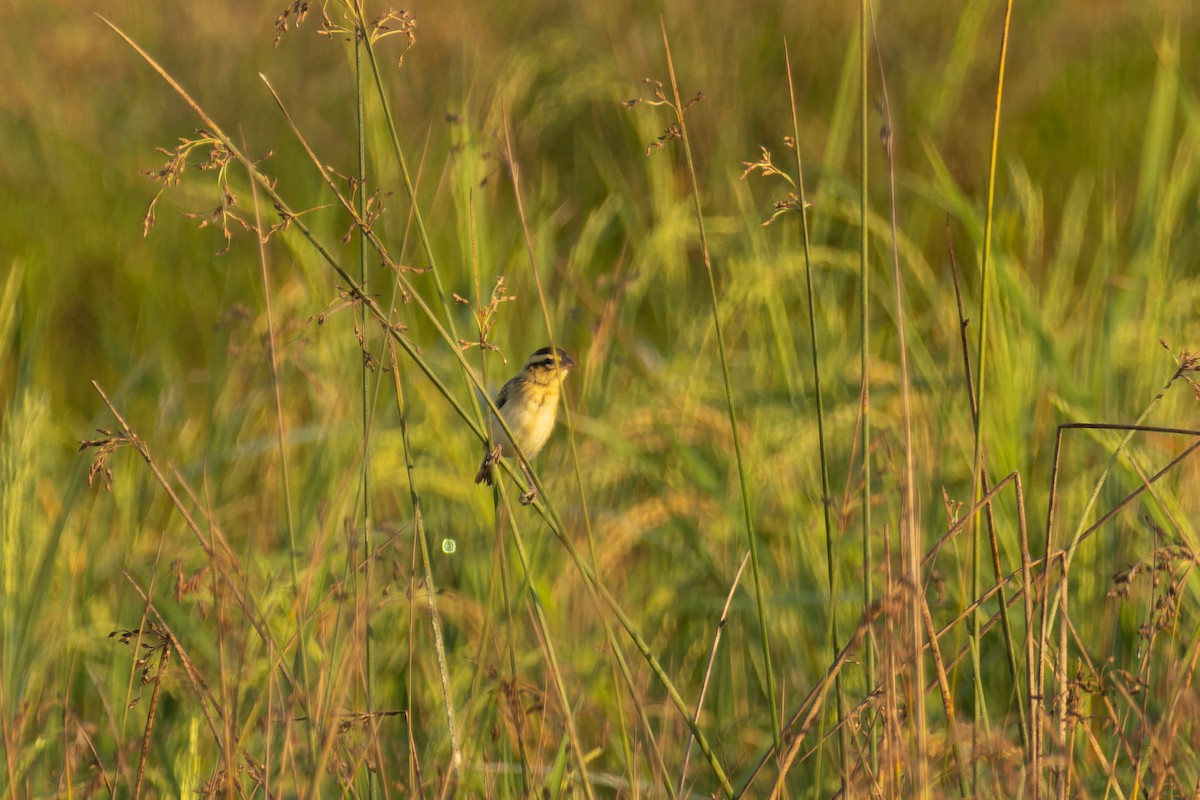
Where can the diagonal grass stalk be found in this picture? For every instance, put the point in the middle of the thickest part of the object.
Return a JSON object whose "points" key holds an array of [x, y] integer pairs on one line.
{"points": [[985, 484], [364, 40], [812, 705], [511, 649], [832, 558], [547, 645], [755, 571], [712, 657], [943, 684], [1050, 609], [817, 693], [504, 513], [1023, 574], [617, 655], [500, 556], [216, 548]]}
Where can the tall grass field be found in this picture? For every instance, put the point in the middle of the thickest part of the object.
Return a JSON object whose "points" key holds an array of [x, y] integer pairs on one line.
{"points": [[876, 476]]}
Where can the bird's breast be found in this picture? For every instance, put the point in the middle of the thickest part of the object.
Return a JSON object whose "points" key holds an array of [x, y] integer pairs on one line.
{"points": [[531, 422]]}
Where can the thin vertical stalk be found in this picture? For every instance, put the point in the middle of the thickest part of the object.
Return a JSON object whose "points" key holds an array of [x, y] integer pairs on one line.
{"points": [[543, 635], [1037, 697], [985, 483], [832, 559], [499, 555], [511, 649], [708, 669], [281, 438], [411, 190], [1031, 743], [868, 569], [1062, 690], [423, 541], [892, 672], [978, 707], [364, 593], [910, 534], [617, 660], [755, 571], [163, 657]]}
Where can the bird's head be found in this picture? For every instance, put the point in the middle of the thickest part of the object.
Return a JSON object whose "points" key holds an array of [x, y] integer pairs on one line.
{"points": [[545, 363]]}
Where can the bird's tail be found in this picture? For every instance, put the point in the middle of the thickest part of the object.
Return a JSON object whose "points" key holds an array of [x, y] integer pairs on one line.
{"points": [[485, 469]]}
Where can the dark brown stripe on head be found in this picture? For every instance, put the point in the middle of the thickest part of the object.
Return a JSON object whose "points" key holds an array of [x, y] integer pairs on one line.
{"points": [[545, 358]]}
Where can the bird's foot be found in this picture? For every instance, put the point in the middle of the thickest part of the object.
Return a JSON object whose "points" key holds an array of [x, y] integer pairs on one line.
{"points": [[528, 497]]}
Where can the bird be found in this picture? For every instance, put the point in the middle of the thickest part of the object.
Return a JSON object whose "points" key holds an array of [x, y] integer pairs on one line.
{"points": [[528, 403]]}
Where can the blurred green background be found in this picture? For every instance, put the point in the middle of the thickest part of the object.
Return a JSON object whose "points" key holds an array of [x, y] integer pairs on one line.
{"points": [[1097, 235]]}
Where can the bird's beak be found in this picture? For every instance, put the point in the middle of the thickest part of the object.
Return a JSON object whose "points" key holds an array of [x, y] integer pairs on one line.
{"points": [[566, 362]]}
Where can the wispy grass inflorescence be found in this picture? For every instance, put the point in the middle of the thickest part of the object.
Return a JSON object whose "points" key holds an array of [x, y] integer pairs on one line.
{"points": [[486, 316]]}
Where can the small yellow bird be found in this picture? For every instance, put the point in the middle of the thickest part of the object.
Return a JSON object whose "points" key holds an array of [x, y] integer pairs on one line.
{"points": [[529, 405]]}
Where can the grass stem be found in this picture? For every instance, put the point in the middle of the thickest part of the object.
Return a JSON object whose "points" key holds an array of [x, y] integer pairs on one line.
{"points": [[864, 267], [977, 465], [832, 557], [755, 569]]}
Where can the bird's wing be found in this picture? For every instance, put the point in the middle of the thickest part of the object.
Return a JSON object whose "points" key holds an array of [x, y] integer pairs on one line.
{"points": [[503, 395]]}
